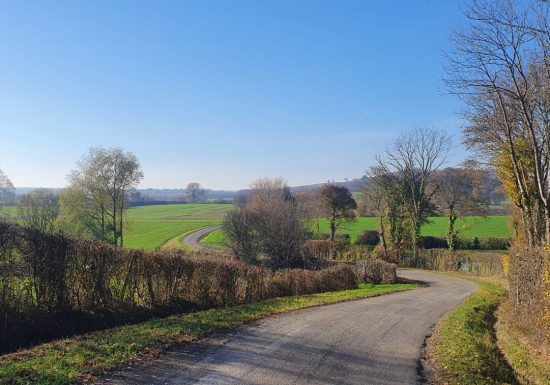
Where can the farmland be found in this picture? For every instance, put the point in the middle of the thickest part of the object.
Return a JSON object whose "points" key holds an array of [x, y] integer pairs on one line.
{"points": [[470, 227], [151, 227]]}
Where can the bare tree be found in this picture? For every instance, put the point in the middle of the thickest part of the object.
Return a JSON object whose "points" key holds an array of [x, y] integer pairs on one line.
{"points": [[271, 224], [194, 193], [39, 210], [7, 192], [241, 228], [460, 193], [97, 194], [500, 67], [337, 205], [408, 165]]}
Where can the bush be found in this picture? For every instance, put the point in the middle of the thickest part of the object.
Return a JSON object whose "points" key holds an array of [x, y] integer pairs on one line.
{"points": [[480, 263], [429, 242], [319, 249], [483, 244], [368, 238], [529, 278], [376, 271], [494, 243]]}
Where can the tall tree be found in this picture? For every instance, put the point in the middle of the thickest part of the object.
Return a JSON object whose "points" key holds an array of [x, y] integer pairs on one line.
{"points": [[337, 205], [500, 67], [382, 200], [7, 193], [408, 165], [39, 210], [460, 192], [97, 192], [194, 193]]}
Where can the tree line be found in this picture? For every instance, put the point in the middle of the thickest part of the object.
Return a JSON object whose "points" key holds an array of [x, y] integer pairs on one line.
{"points": [[94, 203], [499, 68], [270, 225]]}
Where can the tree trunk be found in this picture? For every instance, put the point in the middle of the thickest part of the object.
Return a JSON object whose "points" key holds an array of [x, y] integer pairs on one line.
{"points": [[383, 237], [120, 226], [332, 230], [333, 225], [451, 232]]}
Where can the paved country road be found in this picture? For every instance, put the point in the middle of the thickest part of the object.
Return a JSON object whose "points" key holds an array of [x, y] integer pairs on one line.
{"points": [[193, 240], [370, 341]]}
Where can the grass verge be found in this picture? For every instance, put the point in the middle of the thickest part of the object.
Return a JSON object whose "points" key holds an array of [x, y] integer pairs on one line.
{"points": [[216, 239], [464, 348], [531, 366], [83, 358]]}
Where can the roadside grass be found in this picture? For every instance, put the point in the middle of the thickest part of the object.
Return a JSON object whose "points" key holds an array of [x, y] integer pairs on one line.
{"points": [[216, 239], [82, 359], [464, 348], [531, 365]]}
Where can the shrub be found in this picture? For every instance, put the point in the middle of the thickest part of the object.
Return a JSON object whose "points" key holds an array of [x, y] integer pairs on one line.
{"points": [[430, 242], [480, 263], [529, 279], [483, 244], [376, 271], [494, 243], [319, 249], [368, 238]]}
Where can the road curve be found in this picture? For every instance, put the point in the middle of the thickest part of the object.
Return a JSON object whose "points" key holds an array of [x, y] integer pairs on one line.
{"points": [[193, 240], [369, 341]]}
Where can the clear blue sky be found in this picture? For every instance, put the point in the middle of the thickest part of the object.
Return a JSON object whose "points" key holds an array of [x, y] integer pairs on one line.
{"points": [[219, 92]]}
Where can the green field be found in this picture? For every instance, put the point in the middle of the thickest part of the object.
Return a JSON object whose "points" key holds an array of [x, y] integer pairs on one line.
{"points": [[215, 239], [469, 227], [151, 227]]}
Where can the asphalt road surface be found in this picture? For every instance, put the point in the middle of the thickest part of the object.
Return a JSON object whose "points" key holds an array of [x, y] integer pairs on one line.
{"points": [[193, 240], [369, 341]]}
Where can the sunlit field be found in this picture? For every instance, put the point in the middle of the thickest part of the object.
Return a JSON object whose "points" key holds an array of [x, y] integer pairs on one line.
{"points": [[150, 227], [469, 227]]}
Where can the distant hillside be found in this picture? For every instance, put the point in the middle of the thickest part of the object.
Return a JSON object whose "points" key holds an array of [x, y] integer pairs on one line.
{"points": [[164, 196]]}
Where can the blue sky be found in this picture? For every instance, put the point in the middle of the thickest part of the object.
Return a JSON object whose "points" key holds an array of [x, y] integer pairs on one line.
{"points": [[219, 92]]}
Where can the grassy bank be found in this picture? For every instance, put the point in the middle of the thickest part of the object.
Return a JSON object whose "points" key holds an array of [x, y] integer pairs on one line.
{"points": [[215, 239], [464, 348], [529, 361], [84, 358]]}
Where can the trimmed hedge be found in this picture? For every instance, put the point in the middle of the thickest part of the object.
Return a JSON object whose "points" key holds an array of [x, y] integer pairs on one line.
{"points": [[376, 271], [55, 285]]}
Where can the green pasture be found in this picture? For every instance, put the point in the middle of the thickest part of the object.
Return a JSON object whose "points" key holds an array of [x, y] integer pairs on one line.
{"points": [[468, 227], [150, 227], [215, 239]]}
